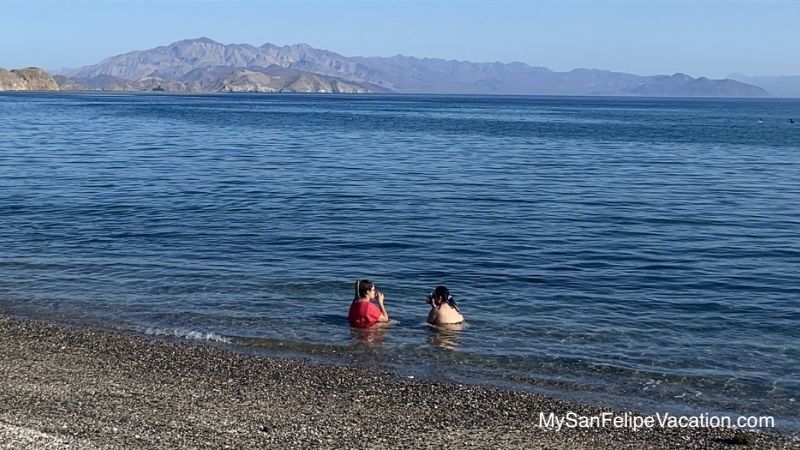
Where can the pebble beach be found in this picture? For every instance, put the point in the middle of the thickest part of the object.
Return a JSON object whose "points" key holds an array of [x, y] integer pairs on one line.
{"points": [[88, 388]]}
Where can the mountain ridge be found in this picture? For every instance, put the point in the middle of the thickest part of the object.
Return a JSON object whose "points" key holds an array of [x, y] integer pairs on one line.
{"points": [[401, 74], [205, 65], [787, 86]]}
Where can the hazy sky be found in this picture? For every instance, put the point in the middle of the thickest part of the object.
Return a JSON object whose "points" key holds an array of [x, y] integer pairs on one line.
{"points": [[702, 37]]}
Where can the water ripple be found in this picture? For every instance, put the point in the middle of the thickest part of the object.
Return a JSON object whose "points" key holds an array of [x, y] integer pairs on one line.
{"points": [[642, 248]]}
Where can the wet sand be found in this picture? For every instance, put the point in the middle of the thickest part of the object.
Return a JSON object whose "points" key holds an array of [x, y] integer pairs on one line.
{"points": [[67, 387]]}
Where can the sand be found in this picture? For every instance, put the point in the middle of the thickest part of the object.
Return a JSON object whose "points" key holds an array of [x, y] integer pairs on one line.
{"points": [[79, 387]]}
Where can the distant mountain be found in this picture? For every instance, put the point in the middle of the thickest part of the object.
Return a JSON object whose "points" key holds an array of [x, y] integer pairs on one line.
{"points": [[783, 86], [273, 78], [684, 85], [67, 84], [28, 79], [205, 65]]}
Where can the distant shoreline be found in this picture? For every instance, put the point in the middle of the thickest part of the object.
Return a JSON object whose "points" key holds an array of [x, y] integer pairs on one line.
{"points": [[396, 94], [92, 388]]}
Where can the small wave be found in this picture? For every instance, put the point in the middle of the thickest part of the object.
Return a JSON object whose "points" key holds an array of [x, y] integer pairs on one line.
{"points": [[188, 334]]}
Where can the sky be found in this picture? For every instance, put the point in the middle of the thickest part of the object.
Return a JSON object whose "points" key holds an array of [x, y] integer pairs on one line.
{"points": [[712, 38]]}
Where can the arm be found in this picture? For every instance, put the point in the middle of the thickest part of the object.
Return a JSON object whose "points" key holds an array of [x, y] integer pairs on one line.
{"points": [[384, 314], [432, 315]]}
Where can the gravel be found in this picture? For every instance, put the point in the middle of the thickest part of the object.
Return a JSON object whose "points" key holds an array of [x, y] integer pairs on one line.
{"points": [[79, 387]]}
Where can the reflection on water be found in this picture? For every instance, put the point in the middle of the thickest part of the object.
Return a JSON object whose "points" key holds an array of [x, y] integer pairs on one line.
{"points": [[672, 222], [445, 335], [370, 337]]}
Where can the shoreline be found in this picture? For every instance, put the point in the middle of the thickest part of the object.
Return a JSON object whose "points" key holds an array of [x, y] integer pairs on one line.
{"points": [[79, 386]]}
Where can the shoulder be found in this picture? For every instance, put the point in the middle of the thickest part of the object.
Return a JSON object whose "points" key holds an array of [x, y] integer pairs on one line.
{"points": [[358, 307], [448, 314], [444, 307]]}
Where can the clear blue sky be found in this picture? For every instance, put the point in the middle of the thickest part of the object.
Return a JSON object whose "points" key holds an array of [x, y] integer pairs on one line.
{"points": [[702, 38]]}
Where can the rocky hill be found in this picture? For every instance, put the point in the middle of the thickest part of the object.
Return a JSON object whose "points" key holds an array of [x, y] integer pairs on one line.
{"points": [[202, 65], [28, 79], [205, 65], [67, 84], [270, 79]]}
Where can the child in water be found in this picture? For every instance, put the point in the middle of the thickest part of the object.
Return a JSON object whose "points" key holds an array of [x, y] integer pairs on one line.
{"points": [[443, 308]]}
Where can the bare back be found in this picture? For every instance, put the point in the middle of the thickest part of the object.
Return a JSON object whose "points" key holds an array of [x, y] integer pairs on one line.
{"points": [[444, 314]]}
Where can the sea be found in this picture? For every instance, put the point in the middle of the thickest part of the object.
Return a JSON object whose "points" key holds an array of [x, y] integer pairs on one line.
{"points": [[637, 253]]}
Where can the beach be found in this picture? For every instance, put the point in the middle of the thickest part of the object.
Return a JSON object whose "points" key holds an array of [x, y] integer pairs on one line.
{"points": [[81, 387], [641, 263]]}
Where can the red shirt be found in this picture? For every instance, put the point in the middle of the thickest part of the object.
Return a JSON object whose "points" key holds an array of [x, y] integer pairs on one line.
{"points": [[363, 314]]}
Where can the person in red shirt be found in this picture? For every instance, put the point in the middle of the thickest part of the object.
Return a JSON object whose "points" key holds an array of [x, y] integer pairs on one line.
{"points": [[363, 313]]}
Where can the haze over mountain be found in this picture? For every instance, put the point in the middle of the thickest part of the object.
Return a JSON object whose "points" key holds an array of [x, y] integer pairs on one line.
{"points": [[206, 65], [203, 65], [781, 86]]}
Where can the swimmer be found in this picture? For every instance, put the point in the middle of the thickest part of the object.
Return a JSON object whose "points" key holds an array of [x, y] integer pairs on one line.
{"points": [[363, 313], [443, 308]]}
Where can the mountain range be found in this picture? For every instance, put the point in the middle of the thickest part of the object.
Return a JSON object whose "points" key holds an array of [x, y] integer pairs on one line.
{"points": [[204, 65], [781, 86]]}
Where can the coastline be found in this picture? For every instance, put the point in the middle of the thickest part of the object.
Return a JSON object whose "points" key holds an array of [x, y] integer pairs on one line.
{"points": [[65, 386]]}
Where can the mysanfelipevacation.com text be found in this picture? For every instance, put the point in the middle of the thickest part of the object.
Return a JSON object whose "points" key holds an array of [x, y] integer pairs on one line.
{"points": [[639, 422]]}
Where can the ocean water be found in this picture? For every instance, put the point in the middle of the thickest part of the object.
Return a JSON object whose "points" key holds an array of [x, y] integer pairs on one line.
{"points": [[640, 253]]}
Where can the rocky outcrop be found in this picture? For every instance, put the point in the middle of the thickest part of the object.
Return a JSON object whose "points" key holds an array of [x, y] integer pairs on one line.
{"points": [[68, 84], [244, 80], [314, 83], [9, 81], [278, 79], [114, 84], [156, 84], [28, 79]]}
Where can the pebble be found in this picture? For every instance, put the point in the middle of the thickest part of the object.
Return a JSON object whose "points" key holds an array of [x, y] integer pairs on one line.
{"points": [[124, 391]]}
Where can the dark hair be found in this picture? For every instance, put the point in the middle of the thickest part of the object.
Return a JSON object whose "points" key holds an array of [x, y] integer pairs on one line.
{"points": [[443, 293], [361, 288]]}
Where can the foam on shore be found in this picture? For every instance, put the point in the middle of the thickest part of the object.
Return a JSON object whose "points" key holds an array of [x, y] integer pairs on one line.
{"points": [[86, 387], [188, 334]]}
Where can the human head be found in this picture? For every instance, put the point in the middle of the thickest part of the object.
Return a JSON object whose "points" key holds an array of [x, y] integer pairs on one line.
{"points": [[362, 288], [441, 293]]}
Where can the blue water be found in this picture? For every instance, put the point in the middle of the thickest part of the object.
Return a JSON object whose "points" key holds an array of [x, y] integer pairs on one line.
{"points": [[634, 252]]}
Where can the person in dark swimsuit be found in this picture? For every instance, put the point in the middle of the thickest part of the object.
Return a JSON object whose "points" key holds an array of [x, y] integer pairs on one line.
{"points": [[443, 308]]}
